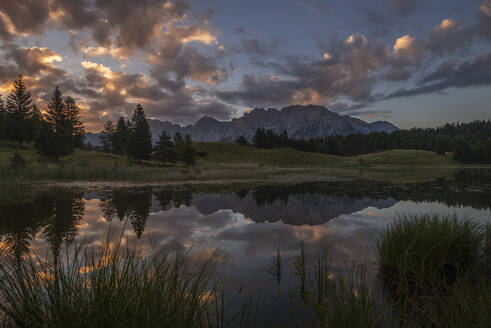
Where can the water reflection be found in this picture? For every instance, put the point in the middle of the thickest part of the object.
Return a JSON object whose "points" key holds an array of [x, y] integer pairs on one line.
{"points": [[55, 215], [247, 225]]}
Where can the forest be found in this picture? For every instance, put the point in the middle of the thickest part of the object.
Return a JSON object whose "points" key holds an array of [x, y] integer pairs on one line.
{"points": [[58, 129], [469, 142]]}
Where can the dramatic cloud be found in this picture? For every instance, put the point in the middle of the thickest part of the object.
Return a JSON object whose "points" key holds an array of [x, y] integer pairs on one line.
{"points": [[344, 70], [181, 61], [447, 75]]}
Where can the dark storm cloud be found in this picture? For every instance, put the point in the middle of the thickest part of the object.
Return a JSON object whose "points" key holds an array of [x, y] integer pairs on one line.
{"points": [[261, 90], [5, 34], [483, 26], [184, 109], [449, 36], [346, 71], [255, 46], [27, 16], [467, 74], [174, 60], [135, 22], [75, 13], [171, 68], [8, 72], [129, 24], [405, 7], [32, 61], [116, 94]]}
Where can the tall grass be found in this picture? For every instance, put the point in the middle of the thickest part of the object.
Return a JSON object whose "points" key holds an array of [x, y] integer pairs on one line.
{"points": [[112, 285], [434, 269], [324, 300], [435, 272]]}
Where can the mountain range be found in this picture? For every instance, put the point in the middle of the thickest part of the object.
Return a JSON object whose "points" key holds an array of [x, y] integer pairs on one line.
{"points": [[299, 121]]}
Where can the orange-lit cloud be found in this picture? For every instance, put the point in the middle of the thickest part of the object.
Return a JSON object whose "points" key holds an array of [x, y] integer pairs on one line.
{"points": [[486, 7]]}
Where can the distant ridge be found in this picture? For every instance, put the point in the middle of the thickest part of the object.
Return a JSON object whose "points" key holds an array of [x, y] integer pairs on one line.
{"points": [[299, 121]]}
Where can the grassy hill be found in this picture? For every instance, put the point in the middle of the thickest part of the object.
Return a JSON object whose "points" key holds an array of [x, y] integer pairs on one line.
{"points": [[222, 152], [224, 161]]}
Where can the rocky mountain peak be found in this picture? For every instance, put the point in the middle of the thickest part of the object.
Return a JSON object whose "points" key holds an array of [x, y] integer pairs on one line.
{"points": [[299, 121]]}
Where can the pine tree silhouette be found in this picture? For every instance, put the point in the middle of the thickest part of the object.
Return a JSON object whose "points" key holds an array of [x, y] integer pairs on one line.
{"points": [[19, 110], [140, 137], [164, 149]]}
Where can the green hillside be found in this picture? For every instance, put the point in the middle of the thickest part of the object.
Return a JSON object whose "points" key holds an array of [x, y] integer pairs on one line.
{"points": [[221, 152], [229, 153], [223, 161]]}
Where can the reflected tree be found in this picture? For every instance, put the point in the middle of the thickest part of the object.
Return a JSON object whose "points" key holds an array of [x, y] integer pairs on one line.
{"points": [[139, 210], [18, 225], [184, 197], [133, 204], [242, 193], [62, 225], [165, 199]]}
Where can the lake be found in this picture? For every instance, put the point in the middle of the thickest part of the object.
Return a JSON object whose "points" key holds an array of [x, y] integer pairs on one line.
{"points": [[244, 227]]}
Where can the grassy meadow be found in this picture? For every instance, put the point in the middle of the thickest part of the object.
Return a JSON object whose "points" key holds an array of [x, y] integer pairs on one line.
{"points": [[223, 161]]}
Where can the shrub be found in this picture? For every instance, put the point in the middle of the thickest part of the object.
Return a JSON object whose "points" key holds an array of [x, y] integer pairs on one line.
{"points": [[426, 261], [18, 162]]}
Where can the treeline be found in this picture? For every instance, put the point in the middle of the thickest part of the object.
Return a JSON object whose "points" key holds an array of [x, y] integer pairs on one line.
{"points": [[133, 139], [56, 132], [470, 142], [59, 129]]}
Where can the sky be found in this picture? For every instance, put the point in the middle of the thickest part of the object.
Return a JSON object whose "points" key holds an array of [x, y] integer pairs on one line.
{"points": [[411, 62]]}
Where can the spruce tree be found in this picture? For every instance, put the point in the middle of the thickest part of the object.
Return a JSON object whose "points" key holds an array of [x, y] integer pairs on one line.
{"points": [[19, 110], [55, 139], [36, 122], [164, 150], [189, 155], [241, 141], [140, 136], [3, 120], [107, 136], [179, 146], [120, 140], [76, 123]]}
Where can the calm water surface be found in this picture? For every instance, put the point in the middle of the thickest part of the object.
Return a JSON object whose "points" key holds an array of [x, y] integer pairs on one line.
{"points": [[244, 228]]}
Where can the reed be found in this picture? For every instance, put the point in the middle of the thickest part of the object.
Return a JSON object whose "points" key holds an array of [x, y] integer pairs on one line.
{"points": [[111, 285], [429, 263]]}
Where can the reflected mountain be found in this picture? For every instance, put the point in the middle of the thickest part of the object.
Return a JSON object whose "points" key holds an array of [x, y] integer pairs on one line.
{"points": [[57, 214], [294, 209]]}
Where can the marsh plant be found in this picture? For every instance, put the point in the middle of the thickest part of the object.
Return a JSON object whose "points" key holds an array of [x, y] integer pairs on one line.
{"points": [[435, 270], [324, 299], [114, 284]]}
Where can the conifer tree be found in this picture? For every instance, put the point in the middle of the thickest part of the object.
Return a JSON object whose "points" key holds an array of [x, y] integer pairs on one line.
{"points": [[164, 150], [3, 120], [36, 122], [140, 136], [189, 154], [107, 136], [19, 110], [76, 123], [241, 141], [179, 146], [120, 140], [55, 138]]}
